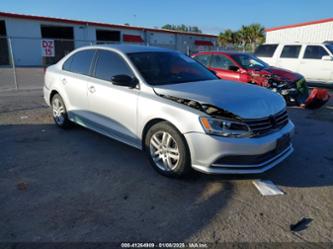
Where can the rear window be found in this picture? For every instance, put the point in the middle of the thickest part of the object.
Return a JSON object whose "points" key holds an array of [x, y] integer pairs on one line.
{"points": [[290, 51], [79, 62], [203, 59], [220, 61], [330, 47], [266, 50], [314, 52]]}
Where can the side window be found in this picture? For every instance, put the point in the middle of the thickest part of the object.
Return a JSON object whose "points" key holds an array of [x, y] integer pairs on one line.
{"points": [[67, 64], [266, 50], [314, 52], [80, 62], [220, 61], [109, 64], [290, 51], [203, 59]]}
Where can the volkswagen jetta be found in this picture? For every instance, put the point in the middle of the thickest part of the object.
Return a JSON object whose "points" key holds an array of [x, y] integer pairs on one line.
{"points": [[172, 107]]}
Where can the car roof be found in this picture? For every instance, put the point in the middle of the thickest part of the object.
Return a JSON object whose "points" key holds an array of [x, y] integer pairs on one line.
{"points": [[126, 49], [223, 52], [296, 43]]}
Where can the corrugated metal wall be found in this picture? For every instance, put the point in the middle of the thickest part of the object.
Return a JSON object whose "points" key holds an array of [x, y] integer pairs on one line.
{"points": [[311, 33]]}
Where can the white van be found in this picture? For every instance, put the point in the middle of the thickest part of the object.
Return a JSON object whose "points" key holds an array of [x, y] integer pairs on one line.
{"points": [[314, 61]]}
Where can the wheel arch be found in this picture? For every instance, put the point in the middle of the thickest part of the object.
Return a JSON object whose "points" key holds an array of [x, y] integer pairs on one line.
{"points": [[53, 92], [146, 128], [154, 121]]}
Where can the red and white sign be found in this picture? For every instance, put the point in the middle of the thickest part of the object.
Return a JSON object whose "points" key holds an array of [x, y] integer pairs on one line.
{"points": [[48, 48]]}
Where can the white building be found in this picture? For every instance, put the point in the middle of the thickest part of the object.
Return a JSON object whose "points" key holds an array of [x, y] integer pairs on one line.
{"points": [[315, 31], [26, 33]]}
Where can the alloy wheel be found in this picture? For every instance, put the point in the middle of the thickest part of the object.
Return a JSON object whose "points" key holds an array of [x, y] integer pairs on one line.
{"points": [[164, 151], [58, 111]]}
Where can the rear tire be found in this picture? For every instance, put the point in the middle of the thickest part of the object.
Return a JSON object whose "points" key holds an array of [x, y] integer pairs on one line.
{"points": [[167, 150], [59, 112]]}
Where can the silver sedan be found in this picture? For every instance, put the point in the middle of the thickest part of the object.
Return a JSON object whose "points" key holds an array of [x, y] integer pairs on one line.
{"points": [[167, 104]]}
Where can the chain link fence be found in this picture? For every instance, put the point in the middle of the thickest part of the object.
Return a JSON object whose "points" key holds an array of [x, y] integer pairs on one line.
{"points": [[23, 60]]}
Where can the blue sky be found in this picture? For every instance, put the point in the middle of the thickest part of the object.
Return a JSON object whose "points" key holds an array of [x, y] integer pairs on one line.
{"points": [[212, 16]]}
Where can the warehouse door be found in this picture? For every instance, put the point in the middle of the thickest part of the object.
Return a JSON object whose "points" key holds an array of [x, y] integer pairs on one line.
{"points": [[4, 52], [107, 36], [63, 41]]}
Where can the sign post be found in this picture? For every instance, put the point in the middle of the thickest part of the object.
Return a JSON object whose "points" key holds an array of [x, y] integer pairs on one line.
{"points": [[47, 48]]}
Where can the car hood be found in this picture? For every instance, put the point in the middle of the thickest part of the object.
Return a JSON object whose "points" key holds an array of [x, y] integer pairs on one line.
{"points": [[243, 100], [283, 74]]}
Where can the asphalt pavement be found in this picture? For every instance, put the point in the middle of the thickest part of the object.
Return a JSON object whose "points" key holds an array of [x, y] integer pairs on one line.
{"points": [[77, 185]]}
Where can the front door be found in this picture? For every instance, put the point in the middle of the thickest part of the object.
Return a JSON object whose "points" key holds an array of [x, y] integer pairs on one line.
{"points": [[113, 108], [221, 65]]}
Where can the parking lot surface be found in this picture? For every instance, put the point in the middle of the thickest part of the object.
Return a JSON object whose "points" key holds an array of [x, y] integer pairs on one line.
{"points": [[77, 185]]}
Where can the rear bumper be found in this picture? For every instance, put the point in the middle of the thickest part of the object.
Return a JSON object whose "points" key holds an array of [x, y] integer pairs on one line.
{"points": [[220, 155]]}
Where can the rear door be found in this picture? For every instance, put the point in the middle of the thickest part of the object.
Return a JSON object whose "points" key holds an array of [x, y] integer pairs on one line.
{"points": [[204, 59], [74, 79], [313, 67], [266, 53], [113, 108], [221, 64], [289, 57]]}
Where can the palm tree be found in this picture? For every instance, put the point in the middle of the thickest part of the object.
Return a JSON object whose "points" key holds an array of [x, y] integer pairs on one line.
{"points": [[226, 38], [256, 35], [244, 36], [248, 37]]}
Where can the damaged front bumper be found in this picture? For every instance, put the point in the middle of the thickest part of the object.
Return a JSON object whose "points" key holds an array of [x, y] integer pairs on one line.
{"points": [[221, 155]]}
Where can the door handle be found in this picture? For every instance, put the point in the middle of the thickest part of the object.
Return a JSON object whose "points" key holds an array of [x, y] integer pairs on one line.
{"points": [[92, 89], [64, 81]]}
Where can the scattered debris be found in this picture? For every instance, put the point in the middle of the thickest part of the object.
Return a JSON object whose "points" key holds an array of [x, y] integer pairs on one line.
{"points": [[267, 187], [300, 225], [22, 186]]}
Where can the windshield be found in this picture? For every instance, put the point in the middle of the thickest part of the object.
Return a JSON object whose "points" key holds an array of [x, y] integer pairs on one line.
{"points": [[162, 68], [249, 62], [330, 47]]}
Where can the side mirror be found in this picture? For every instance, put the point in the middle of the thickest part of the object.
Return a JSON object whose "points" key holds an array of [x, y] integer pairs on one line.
{"points": [[233, 68], [124, 80], [327, 58]]}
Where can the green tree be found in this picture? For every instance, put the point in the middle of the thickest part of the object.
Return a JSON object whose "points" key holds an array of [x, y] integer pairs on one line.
{"points": [[246, 38], [182, 27], [256, 35], [226, 38]]}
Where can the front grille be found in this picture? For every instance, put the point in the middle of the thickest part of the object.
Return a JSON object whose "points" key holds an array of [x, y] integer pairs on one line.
{"points": [[266, 125], [282, 144]]}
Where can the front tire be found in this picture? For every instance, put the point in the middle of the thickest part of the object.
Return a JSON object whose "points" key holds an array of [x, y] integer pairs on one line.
{"points": [[59, 112], [167, 150]]}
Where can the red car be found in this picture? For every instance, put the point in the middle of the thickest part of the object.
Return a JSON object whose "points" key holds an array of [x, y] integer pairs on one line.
{"points": [[244, 67]]}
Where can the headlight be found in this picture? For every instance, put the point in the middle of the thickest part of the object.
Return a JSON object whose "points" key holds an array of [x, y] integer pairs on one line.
{"points": [[225, 127]]}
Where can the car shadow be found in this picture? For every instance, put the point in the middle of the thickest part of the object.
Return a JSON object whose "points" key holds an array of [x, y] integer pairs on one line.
{"points": [[77, 185]]}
